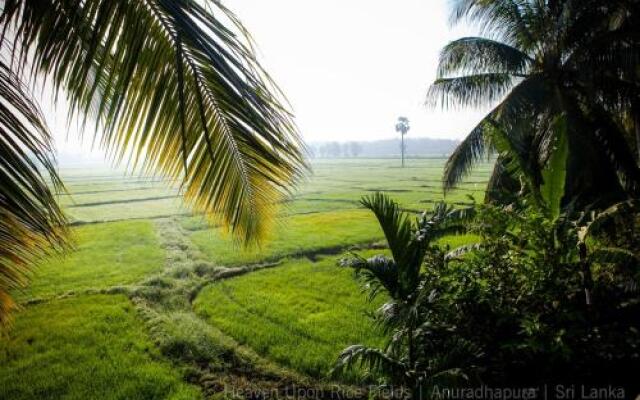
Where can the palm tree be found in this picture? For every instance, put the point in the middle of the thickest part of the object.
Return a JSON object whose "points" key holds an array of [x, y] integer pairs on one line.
{"points": [[402, 126], [400, 279], [559, 75], [173, 86]]}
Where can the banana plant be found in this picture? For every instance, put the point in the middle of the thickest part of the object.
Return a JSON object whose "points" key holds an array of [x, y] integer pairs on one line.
{"points": [[589, 227]]}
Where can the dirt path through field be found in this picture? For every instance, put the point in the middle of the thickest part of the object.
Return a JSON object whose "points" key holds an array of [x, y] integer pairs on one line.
{"points": [[211, 359]]}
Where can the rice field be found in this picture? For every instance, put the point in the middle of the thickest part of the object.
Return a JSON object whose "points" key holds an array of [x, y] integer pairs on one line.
{"points": [[284, 313], [104, 255], [85, 347], [154, 303]]}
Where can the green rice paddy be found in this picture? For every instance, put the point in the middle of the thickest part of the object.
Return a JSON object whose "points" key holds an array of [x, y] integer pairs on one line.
{"points": [[155, 304]]}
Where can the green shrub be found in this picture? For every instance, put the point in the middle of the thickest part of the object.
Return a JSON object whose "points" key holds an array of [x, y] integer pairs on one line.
{"points": [[542, 312], [536, 301]]}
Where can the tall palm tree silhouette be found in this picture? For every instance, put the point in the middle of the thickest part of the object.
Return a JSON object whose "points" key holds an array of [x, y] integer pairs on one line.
{"points": [[403, 127]]}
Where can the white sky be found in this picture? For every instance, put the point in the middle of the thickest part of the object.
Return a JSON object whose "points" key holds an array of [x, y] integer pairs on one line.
{"points": [[348, 67], [351, 67]]}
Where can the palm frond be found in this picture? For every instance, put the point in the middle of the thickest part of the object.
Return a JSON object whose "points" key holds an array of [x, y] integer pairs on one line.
{"points": [[511, 20], [517, 143], [481, 55], [371, 358], [444, 220], [592, 175], [453, 362], [390, 316], [176, 88], [377, 273], [459, 252], [503, 185], [397, 228], [31, 223], [506, 129], [471, 150], [617, 150], [577, 60], [529, 97], [475, 90], [614, 215], [406, 246]]}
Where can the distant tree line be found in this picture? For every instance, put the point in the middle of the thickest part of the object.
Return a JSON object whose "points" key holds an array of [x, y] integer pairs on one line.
{"points": [[335, 149], [381, 148]]}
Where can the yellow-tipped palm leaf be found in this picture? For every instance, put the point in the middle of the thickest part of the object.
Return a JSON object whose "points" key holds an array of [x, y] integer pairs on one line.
{"points": [[174, 87]]}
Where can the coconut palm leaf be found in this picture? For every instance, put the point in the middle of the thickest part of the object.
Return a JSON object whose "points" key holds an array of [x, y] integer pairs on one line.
{"points": [[471, 90], [174, 87], [612, 140], [505, 129], [504, 184], [31, 223], [398, 229], [460, 163], [481, 54], [541, 61], [371, 358], [377, 273], [510, 19]]}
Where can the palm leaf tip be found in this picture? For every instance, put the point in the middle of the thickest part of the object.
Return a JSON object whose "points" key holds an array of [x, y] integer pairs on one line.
{"points": [[477, 90], [370, 358], [461, 161], [175, 87], [481, 55], [31, 222]]}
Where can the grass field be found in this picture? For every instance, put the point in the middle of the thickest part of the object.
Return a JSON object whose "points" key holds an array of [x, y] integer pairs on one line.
{"points": [[89, 347], [299, 234], [105, 255], [181, 302], [301, 314]]}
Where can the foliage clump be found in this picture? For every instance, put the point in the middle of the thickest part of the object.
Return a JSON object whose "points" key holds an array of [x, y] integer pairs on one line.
{"points": [[538, 300]]}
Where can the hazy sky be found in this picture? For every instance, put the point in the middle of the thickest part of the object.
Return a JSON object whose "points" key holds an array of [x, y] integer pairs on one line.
{"points": [[348, 67], [351, 67]]}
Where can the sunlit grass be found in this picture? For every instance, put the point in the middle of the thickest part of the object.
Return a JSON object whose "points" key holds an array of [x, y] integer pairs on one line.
{"points": [[90, 347], [456, 241], [136, 194], [300, 314], [299, 234], [127, 210], [105, 255]]}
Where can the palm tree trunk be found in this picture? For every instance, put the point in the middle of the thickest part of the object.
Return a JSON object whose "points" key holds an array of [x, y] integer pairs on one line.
{"points": [[635, 117], [402, 148], [411, 353], [587, 278], [410, 345], [637, 129]]}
